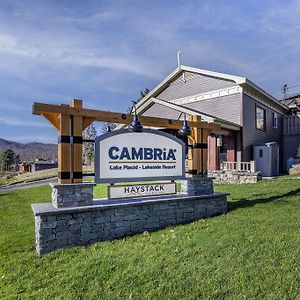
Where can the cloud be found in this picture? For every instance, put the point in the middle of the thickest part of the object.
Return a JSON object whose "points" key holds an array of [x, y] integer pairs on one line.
{"points": [[105, 53], [13, 106], [64, 54], [11, 121]]}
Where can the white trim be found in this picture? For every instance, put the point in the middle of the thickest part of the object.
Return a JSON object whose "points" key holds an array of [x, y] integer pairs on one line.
{"points": [[236, 79], [228, 125], [159, 87], [209, 95], [162, 85], [269, 104]]}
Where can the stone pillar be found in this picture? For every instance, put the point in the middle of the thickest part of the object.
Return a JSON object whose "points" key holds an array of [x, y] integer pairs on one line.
{"points": [[72, 195], [196, 185]]}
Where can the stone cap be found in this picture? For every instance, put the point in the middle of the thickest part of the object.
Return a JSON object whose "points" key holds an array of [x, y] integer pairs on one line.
{"points": [[191, 176], [70, 185], [44, 209]]}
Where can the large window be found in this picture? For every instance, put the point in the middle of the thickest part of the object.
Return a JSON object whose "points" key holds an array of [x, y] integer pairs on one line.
{"points": [[260, 118]]}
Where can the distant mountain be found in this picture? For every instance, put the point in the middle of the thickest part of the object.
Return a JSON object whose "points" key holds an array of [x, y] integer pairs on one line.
{"points": [[30, 151]]}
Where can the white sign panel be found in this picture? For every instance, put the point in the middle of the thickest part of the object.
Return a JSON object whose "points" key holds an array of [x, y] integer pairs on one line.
{"points": [[139, 190], [122, 156]]}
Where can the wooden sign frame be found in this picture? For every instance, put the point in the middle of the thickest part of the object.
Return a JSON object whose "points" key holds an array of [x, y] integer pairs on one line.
{"points": [[70, 120]]}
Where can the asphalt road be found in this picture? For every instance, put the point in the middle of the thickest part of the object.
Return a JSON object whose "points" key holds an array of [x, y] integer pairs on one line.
{"points": [[27, 185]]}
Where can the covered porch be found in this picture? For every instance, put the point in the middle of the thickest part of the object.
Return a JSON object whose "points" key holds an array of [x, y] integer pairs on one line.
{"points": [[223, 146]]}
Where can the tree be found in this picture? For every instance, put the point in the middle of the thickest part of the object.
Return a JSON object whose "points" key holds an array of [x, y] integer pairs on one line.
{"points": [[7, 158], [88, 150], [143, 93], [107, 127]]}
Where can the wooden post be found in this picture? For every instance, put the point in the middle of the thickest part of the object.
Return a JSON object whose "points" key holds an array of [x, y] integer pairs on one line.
{"points": [[194, 153], [76, 145], [64, 150], [197, 154], [213, 153]]}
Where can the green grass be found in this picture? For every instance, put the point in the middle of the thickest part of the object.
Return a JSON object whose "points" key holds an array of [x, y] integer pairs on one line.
{"points": [[28, 176], [253, 252]]}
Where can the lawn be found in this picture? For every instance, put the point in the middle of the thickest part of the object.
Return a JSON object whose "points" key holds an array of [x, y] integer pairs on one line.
{"points": [[14, 177], [253, 252], [8, 178]]}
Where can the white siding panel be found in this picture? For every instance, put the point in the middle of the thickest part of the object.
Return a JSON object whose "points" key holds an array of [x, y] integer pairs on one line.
{"points": [[227, 107], [192, 85], [160, 111]]}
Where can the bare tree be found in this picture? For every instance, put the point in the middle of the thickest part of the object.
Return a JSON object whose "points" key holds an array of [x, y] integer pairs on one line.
{"points": [[88, 151]]}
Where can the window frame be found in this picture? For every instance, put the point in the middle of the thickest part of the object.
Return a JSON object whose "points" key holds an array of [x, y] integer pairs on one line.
{"points": [[275, 118], [264, 118]]}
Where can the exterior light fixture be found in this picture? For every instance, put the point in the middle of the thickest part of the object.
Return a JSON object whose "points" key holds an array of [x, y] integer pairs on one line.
{"points": [[186, 129], [219, 140], [136, 125]]}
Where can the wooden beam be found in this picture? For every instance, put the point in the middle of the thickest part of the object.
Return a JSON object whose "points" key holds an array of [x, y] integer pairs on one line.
{"points": [[87, 122], [53, 118], [197, 155], [115, 117]]}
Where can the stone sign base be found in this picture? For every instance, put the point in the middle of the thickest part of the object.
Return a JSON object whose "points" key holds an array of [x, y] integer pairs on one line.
{"points": [[109, 219]]}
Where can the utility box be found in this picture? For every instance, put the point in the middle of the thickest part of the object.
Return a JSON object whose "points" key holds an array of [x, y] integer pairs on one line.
{"points": [[266, 156]]}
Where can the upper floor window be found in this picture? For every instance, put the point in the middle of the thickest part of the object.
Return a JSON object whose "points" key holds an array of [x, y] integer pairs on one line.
{"points": [[260, 118], [275, 120]]}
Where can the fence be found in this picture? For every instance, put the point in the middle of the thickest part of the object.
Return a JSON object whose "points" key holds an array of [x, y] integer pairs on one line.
{"points": [[291, 125], [239, 166]]}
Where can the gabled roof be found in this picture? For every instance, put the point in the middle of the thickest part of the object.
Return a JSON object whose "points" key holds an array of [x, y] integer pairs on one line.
{"points": [[243, 81]]}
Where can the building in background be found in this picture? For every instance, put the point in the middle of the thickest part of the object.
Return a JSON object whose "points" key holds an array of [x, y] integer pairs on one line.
{"points": [[41, 164], [248, 115]]}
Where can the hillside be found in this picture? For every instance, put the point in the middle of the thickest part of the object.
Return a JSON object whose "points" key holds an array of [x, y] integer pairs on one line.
{"points": [[30, 151]]}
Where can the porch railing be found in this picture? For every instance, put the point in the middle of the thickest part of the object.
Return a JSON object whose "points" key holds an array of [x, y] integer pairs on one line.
{"points": [[238, 166]]}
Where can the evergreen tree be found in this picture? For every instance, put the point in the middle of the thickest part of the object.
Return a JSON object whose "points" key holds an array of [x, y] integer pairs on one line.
{"points": [[88, 150], [7, 159]]}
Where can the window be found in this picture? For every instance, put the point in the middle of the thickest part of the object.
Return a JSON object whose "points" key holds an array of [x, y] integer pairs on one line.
{"points": [[275, 120], [260, 152], [260, 118]]}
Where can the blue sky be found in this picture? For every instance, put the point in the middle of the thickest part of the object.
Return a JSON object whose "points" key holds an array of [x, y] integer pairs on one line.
{"points": [[106, 52]]}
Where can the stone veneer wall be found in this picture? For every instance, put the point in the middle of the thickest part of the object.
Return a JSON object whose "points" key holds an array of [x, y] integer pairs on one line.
{"points": [[234, 177], [109, 219]]}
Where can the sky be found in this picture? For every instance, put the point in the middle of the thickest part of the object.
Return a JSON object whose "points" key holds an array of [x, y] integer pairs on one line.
{"points": [[106, 52]]}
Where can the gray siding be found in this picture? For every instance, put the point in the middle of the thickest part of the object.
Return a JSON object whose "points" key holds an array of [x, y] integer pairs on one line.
{"points": [[227, 107], [251, 135], [160, 111], [194, 84]]}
